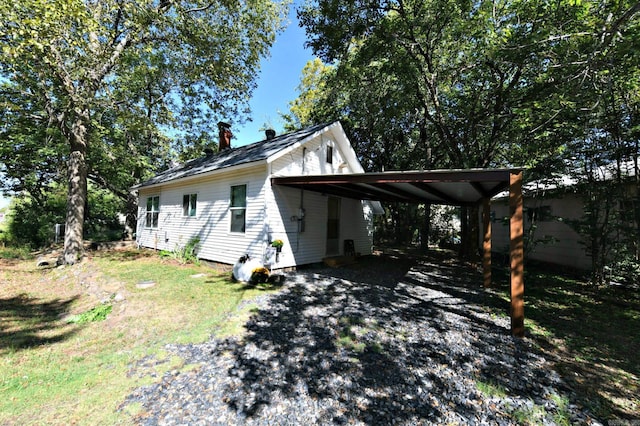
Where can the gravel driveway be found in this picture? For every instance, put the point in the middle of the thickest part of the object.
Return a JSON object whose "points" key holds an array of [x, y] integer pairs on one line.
{"points": [[391, 340]]}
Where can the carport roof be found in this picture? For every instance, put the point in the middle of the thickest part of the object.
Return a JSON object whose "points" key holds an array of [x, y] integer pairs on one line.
{"points": [[453, 187]]}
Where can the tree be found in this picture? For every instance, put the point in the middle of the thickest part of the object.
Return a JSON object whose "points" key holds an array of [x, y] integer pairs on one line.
{"points": [[466, 84], [186, 61]]}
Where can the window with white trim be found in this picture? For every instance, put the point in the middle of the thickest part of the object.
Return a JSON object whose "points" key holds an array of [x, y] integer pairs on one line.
{"points": [[153, 211], [238, 208], [329, 154], [189, 204]]}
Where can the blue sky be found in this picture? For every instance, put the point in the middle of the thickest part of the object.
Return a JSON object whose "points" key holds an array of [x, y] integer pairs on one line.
{"points": [[279, 77]]}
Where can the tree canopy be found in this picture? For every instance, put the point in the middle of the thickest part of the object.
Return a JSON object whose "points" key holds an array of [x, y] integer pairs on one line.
{"points": [[463, 84], [107, 79]]}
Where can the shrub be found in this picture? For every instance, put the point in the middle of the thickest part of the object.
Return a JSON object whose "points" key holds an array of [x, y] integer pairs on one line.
{"points": [[184, 254]]}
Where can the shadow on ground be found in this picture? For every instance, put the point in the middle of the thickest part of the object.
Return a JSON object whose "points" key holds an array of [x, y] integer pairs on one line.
{"points": [[27, 322], [590, 335], [391, 339]]}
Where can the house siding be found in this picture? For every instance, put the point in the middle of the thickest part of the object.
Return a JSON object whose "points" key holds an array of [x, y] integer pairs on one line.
{"points": [[212, 221], [272, 212], [566, 248], [283, 205], [309, 246], [314, 155]]}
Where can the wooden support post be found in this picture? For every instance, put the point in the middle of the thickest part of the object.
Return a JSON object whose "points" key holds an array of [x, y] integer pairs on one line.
{"points": [[486, 243], [516, 232]]}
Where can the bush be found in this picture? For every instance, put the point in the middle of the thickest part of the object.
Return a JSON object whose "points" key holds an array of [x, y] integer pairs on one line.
{"points": [[32, 222], [19, 252], [184, 254]]}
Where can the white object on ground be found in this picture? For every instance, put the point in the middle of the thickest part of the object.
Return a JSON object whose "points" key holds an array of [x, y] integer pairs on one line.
{"points": [[242, 271]]}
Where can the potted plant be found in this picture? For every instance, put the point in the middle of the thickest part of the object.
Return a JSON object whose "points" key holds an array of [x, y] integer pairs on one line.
{"points": [[277, 244], [259, 275]]}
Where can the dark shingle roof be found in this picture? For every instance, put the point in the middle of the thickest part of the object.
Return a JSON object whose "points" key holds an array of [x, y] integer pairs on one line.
{"points": [[257, 151]]}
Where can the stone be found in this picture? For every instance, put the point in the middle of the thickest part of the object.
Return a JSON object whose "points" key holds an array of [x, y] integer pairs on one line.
{"points": [[145, 284]]}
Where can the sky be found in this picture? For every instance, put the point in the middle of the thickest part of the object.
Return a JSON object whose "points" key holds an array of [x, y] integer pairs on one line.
{"points": [[276, 86], [277, 83]]}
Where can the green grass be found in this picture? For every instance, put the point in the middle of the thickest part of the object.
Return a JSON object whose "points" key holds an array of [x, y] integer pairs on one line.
{"points": [[18, 253], [57, 371], [491, 389], [535, 414], [98, 313], [592, 334], [351, 335]]}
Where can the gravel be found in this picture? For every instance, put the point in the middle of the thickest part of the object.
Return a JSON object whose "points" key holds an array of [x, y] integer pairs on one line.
{"points": [[386, 341]]}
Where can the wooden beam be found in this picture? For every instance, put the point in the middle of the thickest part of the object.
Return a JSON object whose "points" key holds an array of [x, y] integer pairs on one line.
{"points": [[516, 234], [486, 244], [358, 192], [433, 191], [480, 189]]}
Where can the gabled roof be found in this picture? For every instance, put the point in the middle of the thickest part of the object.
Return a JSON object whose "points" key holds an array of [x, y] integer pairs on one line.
{"points": [[258, 151]]}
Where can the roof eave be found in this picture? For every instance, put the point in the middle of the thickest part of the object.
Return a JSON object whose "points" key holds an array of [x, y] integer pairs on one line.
{"points": [[298, 144], [200, 175]]}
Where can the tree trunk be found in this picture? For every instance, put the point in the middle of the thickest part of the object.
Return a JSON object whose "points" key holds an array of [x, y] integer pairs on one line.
{"points": [[426, 227], [474, 233], [464, 233], [131, 220], [469, 233], [77, 193]]}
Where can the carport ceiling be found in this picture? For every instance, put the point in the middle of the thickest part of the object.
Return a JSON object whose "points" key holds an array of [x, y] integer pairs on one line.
{"points": [[453, 187]]}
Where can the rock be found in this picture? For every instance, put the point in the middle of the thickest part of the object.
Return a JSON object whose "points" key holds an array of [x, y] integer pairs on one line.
{"points": [[43, 261], [145, 284]]}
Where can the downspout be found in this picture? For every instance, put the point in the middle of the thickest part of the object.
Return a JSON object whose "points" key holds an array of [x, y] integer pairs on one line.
{"points": [[300, 216], [265, 206]]}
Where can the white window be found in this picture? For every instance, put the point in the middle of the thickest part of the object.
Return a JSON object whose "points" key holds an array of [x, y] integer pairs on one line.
{"points": [[329, 154], [189, 203], [238, 208], [153, 210]]}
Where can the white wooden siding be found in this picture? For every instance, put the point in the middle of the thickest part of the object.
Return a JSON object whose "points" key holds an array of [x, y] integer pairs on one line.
{"points": [[283, 204], [212, 221], [309, 246], [272, 212], [357, 224], [315, 161]]}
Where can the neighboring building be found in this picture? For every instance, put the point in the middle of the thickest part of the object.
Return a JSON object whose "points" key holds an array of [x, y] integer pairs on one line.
{"points": [[554, 207], [226, 199]]}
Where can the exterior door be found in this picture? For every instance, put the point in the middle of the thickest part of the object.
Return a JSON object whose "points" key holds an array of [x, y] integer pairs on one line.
{"points": [[333, 226]]}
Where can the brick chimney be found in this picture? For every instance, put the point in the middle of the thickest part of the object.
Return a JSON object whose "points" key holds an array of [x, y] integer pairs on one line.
{"points": [[224, 136]]}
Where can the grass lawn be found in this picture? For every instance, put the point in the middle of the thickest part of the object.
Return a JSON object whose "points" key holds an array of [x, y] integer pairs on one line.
{"points": [[592, 334], [58, 366]]}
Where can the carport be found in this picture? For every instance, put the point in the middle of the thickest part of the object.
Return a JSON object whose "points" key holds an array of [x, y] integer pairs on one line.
{"points": [[471, 187]]}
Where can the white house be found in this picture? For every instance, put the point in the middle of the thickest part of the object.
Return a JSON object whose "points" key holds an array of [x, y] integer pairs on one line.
{"points": [[227, 200]]}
